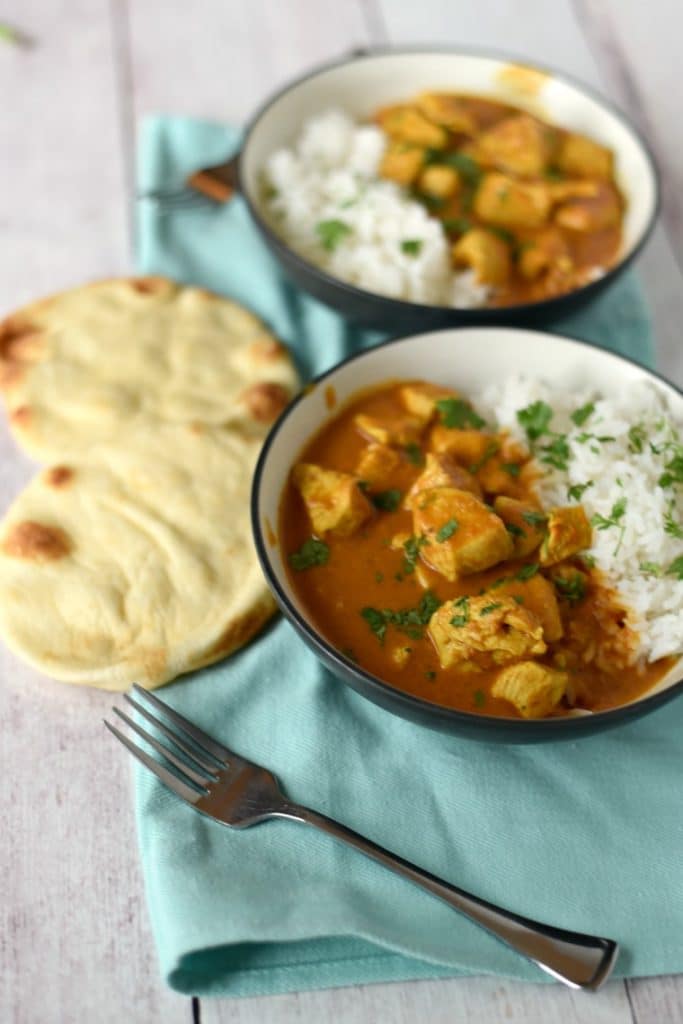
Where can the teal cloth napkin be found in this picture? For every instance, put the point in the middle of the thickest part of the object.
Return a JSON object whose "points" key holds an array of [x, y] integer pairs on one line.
{"points": [[585, 835]]}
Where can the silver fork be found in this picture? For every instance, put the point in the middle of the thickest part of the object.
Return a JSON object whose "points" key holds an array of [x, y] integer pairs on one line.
{"points": [[239, 793]]}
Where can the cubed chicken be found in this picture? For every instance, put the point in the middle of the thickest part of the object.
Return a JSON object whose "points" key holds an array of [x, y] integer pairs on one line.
{"points": [[333, 500], [377, 463], [484, 253], [407, 124], [399, 430], [402, 163], [568, 533], [480, 633], [545, 251], [468, 447], [440, 181], [462, 535], [420, 399], [602, 210], [573, 188], [538, 596], [441, 471], [535, 690], [518, 145], [583, 158], [524, 522], [496, 475], [448, 111], [508, 203]]}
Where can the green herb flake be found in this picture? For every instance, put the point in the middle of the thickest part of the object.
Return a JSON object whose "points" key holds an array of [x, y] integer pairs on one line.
{"points": [[527, 571], [447, 530], [579, 416], [331, 233], [673, 469], [312, 552], [511, 468], [503, 234], [411, 550], [676, 568], [387, 501], [651, 568], [637, 436], [601, 522], [468, 169], [411, 246], [487, 609], [514, 530], [553, 174], [534, 518], [414, 453], [577, 491], [535, 419], [376, 621], [573, 587], [518, 598], [479, 698], [588, 560], [379, 577], [456, 225], [491, 449], [671, 525], [430, 675], [556, 453], [463, 603], [455, 413]]}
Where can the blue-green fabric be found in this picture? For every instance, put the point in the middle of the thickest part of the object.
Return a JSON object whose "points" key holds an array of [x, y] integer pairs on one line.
{"points": [[585, 835]]}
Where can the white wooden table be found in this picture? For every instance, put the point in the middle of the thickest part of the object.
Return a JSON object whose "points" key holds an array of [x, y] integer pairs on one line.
{"points": [[75, 943]]}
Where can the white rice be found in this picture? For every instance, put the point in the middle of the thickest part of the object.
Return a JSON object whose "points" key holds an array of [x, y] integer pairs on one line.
{"points": [[636, 553], [331, 173]]}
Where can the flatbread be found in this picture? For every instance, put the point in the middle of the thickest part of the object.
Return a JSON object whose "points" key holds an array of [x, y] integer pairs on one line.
{"points": [[135, 562], [91, 364]]}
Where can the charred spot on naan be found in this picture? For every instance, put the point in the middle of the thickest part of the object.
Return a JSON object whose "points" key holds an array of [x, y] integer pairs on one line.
{"points": [[59, 476], [151, 285], [20, 417], [21, 344], [265, 400], [35, 542], [267, 350]]}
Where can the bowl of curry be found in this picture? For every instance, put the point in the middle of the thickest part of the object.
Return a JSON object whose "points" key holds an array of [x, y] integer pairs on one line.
{"points": [[440, 561], [501, 192]]}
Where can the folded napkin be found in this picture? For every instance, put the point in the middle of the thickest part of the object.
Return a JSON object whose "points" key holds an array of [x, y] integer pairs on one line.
{"points": [[584, 835]]}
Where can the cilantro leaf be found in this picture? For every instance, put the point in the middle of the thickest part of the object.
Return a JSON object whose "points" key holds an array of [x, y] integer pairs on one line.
{"points": [[556, 453], [651, 568], [414, 453], [514, 530], [387, 501], [479, 698], [636, 438], [411, 246], [331, 233], [535, 419], [487, 609], [511, 468], [534, 518], [376, 621], [576, 491], [580, 415], [411, 550], [573, 587], [527, 571], [447, 530], [676, 568], [468, 169], [456, 225], [312, 552], [457, 413]]}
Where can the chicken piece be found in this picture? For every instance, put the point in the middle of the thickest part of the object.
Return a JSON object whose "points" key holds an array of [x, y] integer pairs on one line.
{"points": [[479, 633], [446, 110], [535, 690], [603, 210], [486, 254], [376, 464], [518, 145], [441, 471], [494, 478], [407, 124], [398, 541], [525, 523], [508, 203], [440, 181], [548, 249], [538, 596], [581, 157], [462, 535], [420, 399], [333, 500], [573, 188], [402, 163], [568, 532], [400, 431], [401, 656], [468, 447]]}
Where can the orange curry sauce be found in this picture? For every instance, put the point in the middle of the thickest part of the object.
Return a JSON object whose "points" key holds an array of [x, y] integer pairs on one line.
{"points": [[364, 571]]}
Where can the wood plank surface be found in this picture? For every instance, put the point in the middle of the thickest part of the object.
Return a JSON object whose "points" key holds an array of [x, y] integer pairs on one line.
{"points": [[74, 938]]}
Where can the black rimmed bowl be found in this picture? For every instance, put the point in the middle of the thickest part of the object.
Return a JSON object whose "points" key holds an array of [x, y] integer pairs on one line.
{"points": [[465, 359], [363, 83]]}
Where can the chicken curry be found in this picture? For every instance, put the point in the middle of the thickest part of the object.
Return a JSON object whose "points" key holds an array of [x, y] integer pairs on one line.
{"points": [[531, 209], [418, 547]]}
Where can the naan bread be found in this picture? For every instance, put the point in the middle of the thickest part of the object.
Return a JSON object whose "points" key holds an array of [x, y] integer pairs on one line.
{"points": [[135, 562], [89, 365]]}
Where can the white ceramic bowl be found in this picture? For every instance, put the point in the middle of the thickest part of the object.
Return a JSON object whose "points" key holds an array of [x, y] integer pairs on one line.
{"points": [[361, 84], [466, 359]]}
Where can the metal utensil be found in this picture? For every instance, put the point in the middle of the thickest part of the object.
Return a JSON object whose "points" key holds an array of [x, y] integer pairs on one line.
{"points": [[208, 185], [239, 793]]}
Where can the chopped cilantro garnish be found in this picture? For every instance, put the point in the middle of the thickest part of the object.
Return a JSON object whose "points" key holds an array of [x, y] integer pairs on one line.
{"points": [[331, 232], [511, 468], [601, 522], [387, 501], [556, 453], [535, 419], [577, 491], [414, 453], [514, 530], [457, 225], [479, 698], [588, 560], [676, 568], [463, 603], [379, 577], [487, 609], [407, 620], [468, 169], [637, 436], [580, 415], [673, 469], [518, 598], [527, 571], [671, 525], [457, 413], [503, 234], [491, 449], [573, 587], [411, 246], [312, 552], [430, 675], [447, 530], [651, 568], [534, 518], [553, 174], [376, 621], [411, 550]]}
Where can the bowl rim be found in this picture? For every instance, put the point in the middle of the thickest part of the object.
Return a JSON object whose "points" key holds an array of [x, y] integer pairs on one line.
{"points": [[398, 306], [345, 667]]}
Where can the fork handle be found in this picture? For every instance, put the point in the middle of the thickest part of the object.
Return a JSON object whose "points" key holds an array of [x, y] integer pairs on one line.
{"points": [[578, 960]]}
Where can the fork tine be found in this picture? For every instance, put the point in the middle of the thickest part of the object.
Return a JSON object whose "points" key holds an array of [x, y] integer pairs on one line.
{"points": [[191, 751], [198, 779], [179, 199], [204, 741], [191, 796]]}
